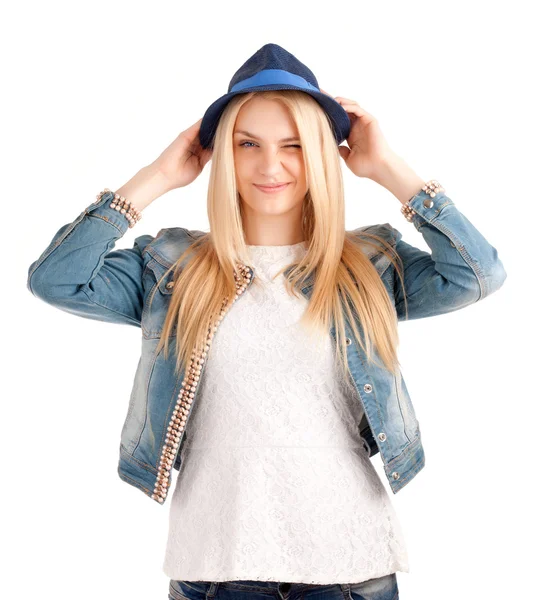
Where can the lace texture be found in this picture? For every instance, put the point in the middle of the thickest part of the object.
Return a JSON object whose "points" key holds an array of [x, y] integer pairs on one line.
{"points": [[275, 483]]}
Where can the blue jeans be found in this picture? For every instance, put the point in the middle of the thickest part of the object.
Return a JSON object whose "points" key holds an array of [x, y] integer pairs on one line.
{"points": [[380, 588]]}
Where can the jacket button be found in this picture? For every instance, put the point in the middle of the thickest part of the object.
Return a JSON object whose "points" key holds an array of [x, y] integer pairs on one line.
{"points": [[395, 475], [348, 341], [367, 388], [170, 285], [382, 437], [428, 203]]}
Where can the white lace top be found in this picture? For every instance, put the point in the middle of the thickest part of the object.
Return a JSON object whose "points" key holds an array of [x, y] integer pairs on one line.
{"points": [[275, 484]]}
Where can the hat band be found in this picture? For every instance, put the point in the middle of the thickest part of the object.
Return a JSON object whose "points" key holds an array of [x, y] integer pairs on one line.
{"points": [[273, 76]]}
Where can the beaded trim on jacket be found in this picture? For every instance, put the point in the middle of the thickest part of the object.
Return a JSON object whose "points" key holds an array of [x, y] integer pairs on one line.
{"points": [[187, 393]]}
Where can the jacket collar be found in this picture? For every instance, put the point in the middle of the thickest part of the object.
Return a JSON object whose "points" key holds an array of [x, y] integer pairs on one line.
{"points": [[170, 243]]}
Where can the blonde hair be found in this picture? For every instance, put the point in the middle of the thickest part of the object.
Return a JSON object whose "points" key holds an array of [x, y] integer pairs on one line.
{"points": [[345, 280]]}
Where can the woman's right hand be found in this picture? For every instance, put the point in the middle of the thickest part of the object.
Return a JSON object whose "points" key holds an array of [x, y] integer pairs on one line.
{"points": [[182, 162]]}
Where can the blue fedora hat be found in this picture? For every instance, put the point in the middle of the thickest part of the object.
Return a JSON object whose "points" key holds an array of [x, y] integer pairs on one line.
{"points": [[274, 68]]}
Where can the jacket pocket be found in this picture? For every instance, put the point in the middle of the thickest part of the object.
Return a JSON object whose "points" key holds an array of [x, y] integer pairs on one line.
{"points": [[158, 282]]}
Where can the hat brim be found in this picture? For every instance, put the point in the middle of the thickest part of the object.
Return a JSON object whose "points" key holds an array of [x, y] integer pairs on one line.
{"points": [[337, 115]]}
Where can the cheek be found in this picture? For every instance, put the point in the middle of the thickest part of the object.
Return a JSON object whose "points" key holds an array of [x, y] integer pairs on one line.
{"points": [[244, 169], [299, 167], [301, 177]]}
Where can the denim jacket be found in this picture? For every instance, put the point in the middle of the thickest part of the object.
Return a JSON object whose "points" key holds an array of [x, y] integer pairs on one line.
{"points": [[80, 272]]}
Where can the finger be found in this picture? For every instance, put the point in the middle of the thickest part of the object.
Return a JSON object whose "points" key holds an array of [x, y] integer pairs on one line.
{"points": [[357, 110], [344, 152], [345, 102], [354, 109], [342, 100]]}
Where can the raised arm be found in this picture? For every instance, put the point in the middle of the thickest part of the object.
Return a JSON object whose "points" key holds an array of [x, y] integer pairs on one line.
{"points": [[79, 272], [462, 266]]}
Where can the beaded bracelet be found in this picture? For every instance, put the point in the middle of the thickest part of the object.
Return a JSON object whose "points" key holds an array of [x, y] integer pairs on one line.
{"points": [[431, 187], [124, 206]]}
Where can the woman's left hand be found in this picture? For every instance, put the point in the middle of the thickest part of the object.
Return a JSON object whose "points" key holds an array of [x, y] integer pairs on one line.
{"points": [[367, 150]]}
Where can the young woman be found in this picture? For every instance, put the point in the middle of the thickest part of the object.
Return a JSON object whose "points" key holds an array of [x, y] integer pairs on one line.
{"points": [[269, 374]]}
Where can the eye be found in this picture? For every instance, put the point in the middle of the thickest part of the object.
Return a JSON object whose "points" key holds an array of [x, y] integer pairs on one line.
{"points": [[291, 146]]}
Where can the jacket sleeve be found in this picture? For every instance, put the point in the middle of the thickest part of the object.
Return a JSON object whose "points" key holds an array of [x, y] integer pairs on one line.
{"points": [[461, 269], [80, 273]]}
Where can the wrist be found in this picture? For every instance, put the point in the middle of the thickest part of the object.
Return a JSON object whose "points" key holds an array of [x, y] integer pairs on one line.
{"points": [[398, 177], [144, 187]]}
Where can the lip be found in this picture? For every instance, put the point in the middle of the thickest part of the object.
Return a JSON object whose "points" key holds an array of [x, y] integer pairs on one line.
{"points": [[272, 190]]}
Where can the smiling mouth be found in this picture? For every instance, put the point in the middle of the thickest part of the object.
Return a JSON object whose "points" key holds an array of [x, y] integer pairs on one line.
{"points": [[271, 189]]}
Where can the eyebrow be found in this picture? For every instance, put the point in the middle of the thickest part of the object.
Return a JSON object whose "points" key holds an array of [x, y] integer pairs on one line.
{"points": [[248, 134]]}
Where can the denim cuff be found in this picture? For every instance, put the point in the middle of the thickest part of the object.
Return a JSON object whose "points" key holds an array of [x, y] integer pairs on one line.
{"points": [[102, 210], [427, 208]]}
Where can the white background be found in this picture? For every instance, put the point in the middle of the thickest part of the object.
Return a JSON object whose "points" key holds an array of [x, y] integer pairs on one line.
{"points": [[95, 91]]}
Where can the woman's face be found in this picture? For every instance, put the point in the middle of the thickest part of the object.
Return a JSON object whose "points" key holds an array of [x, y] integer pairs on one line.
{"points": [[264, 155]]}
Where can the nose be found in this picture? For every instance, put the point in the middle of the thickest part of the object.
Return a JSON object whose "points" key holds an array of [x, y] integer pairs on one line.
{"points": [[270, 164]]}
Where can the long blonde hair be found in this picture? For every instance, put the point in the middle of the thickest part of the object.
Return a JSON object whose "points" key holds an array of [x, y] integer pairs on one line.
{"points": [[346, 284]]}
